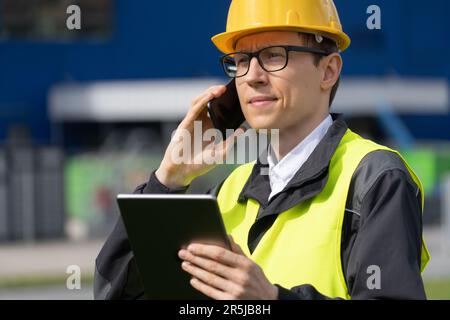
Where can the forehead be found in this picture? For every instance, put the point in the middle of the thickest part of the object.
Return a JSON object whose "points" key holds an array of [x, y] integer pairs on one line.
{"points": [[260, 40]]}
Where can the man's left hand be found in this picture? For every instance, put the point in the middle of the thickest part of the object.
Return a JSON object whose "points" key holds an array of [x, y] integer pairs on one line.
{"points": [[225, 275]]}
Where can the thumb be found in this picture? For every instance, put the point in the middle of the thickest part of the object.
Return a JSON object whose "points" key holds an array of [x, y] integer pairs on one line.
{"points": [[234, 246]]}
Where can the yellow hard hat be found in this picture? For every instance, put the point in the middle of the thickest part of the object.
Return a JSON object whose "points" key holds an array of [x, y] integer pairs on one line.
{"points": [[252, 16]]}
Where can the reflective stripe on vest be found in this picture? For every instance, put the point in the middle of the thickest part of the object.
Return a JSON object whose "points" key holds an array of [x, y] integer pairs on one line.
{"points": [[303, 246]]}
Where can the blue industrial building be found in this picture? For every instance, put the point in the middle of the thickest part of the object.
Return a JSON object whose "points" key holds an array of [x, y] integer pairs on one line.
{"points": [[168, 39]]}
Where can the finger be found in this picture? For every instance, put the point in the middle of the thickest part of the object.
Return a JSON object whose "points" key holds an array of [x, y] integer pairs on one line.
{"points": [[208, 290], [210, 89], [196, 109], [208, 264], [218, 90], [199, 104], [215, 253], [207, 277], [214, 92]]}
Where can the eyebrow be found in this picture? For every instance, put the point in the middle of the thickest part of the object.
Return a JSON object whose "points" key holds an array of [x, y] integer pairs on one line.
{"points": [[262, 47]]}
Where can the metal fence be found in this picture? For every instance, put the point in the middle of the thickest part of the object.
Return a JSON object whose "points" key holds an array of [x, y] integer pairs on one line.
{"points": [[31, 193]]}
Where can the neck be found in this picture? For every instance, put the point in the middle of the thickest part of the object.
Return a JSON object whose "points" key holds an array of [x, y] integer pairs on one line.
{"points": [[289, 137]]}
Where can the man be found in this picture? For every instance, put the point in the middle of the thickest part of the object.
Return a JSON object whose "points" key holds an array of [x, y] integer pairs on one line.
{"points": [[337, 216]]}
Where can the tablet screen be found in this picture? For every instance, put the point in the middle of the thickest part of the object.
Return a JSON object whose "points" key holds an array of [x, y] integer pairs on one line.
{"points": [[158, 226]]}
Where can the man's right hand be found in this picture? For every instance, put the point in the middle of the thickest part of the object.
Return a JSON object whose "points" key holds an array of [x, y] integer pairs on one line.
{"points": [[173, 174]]}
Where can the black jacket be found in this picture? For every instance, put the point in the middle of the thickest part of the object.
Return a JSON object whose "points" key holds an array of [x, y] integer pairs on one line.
{"points": [[382, 226]]}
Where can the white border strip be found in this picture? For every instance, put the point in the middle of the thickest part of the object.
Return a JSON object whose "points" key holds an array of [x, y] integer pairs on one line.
{"points": [[366, 95], [168, 100], [157, 100]]}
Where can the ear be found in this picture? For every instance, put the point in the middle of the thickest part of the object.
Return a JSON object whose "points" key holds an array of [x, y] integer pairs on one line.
{"points": [[331, 66]]}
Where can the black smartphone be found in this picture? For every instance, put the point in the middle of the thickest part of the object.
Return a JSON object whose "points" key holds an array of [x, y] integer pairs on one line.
{"points": [[225, 111]]}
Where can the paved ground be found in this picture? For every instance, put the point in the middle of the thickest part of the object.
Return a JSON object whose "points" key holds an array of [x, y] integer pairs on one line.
{"points": [[50, 260], [47, 259], [47, 293], [46, 262], [438, 244]]}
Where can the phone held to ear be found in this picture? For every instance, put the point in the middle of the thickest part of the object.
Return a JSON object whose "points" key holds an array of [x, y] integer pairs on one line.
{"points": [[225, 111]]}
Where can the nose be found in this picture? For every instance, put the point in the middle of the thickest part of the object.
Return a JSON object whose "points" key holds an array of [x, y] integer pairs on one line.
{"points": [[256, 75]]}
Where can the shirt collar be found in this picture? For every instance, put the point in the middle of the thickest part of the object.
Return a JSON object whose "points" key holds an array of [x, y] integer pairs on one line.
{"points": [[257, 185], [281, 172]]}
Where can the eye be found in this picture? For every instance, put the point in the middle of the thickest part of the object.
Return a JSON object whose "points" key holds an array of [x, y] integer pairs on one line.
{"points": [[241, 60], [274, 55]]}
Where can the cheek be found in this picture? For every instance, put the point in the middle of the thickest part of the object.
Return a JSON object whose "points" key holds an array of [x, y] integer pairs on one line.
{"points": [[302, 82], [241, 93]]}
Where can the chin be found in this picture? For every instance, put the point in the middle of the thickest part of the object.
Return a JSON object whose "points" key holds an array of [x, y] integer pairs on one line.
{"points": [[267, 119], [263, 123]]}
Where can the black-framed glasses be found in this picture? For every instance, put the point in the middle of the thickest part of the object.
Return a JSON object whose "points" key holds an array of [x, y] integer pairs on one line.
{"points": [[271, 59]]}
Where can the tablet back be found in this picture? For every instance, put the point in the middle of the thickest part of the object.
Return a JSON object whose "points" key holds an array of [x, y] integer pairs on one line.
{"points": [[158, 226]]}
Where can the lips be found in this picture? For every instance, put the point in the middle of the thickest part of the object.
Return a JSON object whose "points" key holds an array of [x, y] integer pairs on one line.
{"points": [[262, 99]]}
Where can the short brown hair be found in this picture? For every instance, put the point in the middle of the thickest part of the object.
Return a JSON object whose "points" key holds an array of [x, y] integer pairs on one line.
{"points": [[327, 45]]}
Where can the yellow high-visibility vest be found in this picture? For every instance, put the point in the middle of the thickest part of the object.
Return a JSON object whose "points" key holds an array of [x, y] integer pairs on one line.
{"points": [[303, 246]]}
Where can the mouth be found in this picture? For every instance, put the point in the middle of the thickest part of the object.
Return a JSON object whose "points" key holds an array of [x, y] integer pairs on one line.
{"points": [[262, 101]]}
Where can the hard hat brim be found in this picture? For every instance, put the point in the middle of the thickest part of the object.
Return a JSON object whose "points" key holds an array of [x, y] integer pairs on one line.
{"points": [[226, 41]]}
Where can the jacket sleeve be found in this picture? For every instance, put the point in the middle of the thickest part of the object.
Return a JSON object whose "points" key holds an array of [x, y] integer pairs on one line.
{"points": [[116, 275], [388, 238]]}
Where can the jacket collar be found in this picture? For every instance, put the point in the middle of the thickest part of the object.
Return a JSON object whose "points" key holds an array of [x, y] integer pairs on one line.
{"points": [[308, 181]]}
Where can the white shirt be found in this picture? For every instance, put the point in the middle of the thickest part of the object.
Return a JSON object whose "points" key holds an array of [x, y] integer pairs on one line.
{"points": [[280, 173]]}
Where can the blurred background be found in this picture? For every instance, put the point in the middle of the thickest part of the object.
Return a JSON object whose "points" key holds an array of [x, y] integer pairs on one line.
{"points": [[86, 114]]}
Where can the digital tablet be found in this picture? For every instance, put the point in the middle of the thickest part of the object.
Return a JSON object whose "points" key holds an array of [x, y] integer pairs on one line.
{"points": [[158, 226]]}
